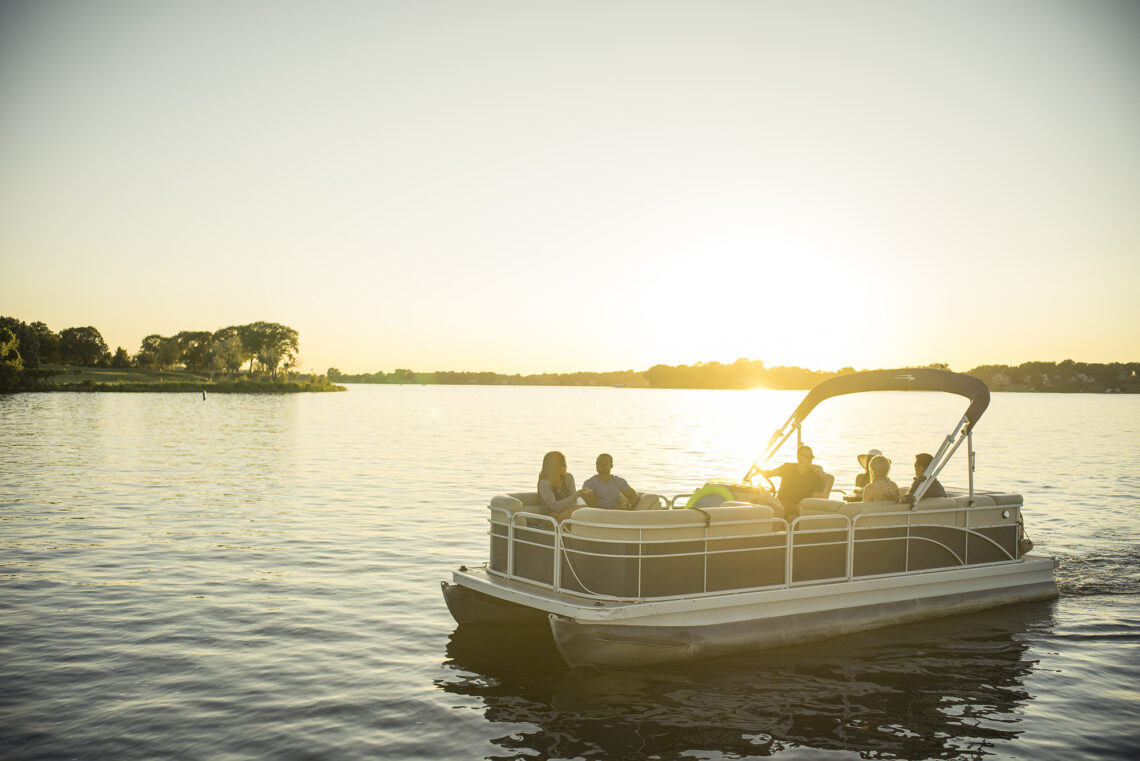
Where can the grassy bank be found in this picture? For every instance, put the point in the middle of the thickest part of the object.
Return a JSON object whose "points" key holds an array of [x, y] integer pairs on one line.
{"points": [[141, 380]]}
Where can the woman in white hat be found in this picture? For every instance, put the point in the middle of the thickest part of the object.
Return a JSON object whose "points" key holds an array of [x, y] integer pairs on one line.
{"points": [[864, 478], [881, 488]]}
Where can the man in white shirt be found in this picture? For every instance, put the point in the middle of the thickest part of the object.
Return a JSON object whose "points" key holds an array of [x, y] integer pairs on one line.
{"points": [[607, 488]]}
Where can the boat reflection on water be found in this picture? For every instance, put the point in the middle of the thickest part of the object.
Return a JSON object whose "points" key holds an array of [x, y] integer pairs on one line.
{"points": [[949, 688]]}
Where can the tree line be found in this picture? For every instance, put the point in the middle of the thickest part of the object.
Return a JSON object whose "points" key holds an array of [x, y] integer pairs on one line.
{"points": [[270, 348], [742, 374], [750, 373], [1065, 376]]}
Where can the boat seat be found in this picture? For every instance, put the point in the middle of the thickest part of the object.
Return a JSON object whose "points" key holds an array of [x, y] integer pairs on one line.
{"points": [[815, 508], [508, 502], [828, 483], [654, 525], [938, 503], [644, 502], [518, 502], [820, 506]]}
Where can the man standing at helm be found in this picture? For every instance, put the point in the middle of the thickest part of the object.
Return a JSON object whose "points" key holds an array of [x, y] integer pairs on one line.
{"points": [[607, 488], [798, 480]]}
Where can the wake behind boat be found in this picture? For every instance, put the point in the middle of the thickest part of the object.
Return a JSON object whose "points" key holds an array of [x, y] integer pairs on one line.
{"points": [[723, 570]]}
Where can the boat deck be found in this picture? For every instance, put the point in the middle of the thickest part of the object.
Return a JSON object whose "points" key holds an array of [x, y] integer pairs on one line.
{"points": [[1028, 573]]}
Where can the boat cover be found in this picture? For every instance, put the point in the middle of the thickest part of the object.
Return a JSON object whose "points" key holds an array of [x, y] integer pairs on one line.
{"points": [[901, 380]]}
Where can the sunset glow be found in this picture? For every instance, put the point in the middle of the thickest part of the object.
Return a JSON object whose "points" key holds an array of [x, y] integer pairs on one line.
{"points": [[580, 186]]}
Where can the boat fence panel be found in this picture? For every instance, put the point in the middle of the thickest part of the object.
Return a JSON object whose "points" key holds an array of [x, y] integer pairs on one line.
{"points": [[687, 558], [932, 539], [523, 546], [648, 566]]}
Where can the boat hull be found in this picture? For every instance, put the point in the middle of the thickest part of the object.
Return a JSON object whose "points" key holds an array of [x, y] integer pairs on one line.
{"points": [[646, 633], [470, 607], [594, 644]]}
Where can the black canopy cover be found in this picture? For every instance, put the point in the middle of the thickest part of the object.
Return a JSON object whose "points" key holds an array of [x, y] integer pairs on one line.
{"points": [[901, 380]]}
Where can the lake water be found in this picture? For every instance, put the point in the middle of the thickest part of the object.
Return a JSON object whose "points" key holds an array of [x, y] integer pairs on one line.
{"points": [[258, 577]]}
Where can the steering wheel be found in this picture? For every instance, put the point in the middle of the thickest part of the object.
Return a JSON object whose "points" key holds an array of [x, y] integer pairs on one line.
{"points": [[754, 471]]}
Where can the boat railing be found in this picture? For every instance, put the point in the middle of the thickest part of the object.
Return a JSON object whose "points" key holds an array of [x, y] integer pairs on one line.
{"points": [[606, 561]]}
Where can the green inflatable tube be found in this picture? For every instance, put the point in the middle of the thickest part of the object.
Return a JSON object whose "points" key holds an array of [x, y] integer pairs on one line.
{"points": [[708, 489]]}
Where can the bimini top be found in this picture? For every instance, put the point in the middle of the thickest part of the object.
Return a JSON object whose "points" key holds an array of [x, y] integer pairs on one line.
{"points": [[900, 380]]}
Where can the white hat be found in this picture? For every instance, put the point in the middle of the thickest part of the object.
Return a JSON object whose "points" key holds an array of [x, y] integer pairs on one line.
{"points": [[866, 458]]}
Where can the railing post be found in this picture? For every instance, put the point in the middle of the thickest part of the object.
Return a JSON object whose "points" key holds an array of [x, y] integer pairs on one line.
{"points": [[510, 546], [851, 549], [966, 544], [556, 577], [640, 557], [705, 561], [970, 458], [788, 549], [906, 554]]}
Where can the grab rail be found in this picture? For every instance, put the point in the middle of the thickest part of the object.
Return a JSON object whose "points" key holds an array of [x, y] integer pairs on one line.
{"points": [[649, 536]]}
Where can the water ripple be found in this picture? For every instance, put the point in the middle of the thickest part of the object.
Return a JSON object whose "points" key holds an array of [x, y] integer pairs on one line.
{"points": [[259, 578]]}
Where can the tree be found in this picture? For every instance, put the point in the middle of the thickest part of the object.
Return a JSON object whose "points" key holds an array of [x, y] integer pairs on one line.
{"points": [[243, 350], [158, 352], [148, 351], [49, 342], [251, 340], [149, 354], [121, 358], [11, 364], [9, 349], [27, 341], [229, 352], [81, 346], [169, 352], [195, 348], [273, 344]]}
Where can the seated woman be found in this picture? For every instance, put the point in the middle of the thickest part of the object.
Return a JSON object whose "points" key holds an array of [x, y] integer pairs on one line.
{"points": [[556, 489], [864, 478], [881, 488]]}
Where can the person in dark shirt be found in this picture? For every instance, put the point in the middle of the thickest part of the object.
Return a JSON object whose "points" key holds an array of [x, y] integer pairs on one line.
{"points": [[798, 479], [921, 463]]}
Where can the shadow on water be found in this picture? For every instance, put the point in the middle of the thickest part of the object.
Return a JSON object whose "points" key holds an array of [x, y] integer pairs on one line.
{"points": [[948, 689]]}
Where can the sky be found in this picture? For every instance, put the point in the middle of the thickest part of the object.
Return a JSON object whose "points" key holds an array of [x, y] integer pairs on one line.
{"points": [[558, 186]]}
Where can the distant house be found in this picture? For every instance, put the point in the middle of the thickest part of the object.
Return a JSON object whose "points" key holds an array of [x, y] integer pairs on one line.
{"points": [[1002, 380]]}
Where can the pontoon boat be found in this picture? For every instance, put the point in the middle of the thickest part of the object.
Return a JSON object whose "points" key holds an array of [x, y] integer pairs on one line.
{"points": [[725, 570]]}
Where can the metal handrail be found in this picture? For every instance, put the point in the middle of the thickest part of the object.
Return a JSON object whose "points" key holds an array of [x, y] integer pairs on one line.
{"points": [[967, 530], [800, 526]]}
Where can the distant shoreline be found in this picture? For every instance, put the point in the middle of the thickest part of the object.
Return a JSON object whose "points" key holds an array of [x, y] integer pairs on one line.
{"points": [[1029, 377], [214, 388], [78, 379], [710, 388]]}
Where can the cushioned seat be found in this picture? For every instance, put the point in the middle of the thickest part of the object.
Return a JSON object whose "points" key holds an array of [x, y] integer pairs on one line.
{"points": [[654, 525], [648, 502], [828, 484], [508, 502], [818, 506]]}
